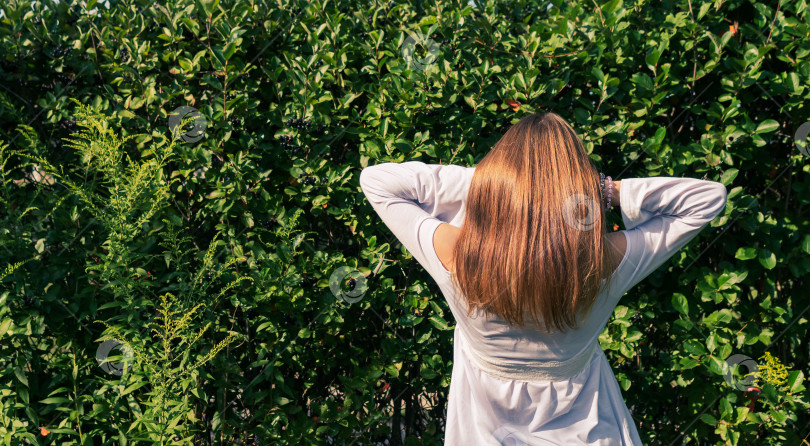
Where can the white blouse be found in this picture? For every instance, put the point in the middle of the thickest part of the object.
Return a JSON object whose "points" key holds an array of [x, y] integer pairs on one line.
{"points": [[496, 397]]}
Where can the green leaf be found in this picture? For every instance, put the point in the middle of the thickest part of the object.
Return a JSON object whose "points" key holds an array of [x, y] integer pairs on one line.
{"points": [[439, 323], [659, 135], [624, 382], [410, 320], [744, 253], [767, 126], [794, 82], [765, 336], [598, 74], [208, 6], [63, 430], [694, 347], [708, 419], [643, 82], [652, 58], [717, 365], [4, 326], [393, 369], [704, 8], [136, 102], [688, 362], [680, 303], [610, 7], [726, 411], [751, 54], [778, 416], [742, 413], [20, 373], [436, 308], [55, 400], [795, 381], [470, 101], [633, 335], [424, 336], [728, 176], [219, 57], [767, 258], [229, 49], [184, 63], [711, 342]]}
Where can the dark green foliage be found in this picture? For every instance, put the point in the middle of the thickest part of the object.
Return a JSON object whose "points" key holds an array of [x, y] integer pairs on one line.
{"points": [[106, 211]]}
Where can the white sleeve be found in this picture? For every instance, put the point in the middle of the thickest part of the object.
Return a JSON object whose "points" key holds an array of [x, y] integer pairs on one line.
{"points": [[661, 215], [413, 198]]}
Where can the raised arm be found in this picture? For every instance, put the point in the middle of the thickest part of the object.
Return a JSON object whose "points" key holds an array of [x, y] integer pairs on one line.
{"points": [[661, 215], [412, 198]]}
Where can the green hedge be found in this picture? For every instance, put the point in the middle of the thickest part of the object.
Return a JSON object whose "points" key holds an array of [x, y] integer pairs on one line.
{"points": [[209, 259]]}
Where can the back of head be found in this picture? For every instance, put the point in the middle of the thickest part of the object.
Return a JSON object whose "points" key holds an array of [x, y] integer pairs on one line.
{"points": [[532, 242]]}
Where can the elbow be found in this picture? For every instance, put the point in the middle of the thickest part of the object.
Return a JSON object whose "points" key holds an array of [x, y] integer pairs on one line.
{"points": [[722, 192], [722, 199], [368, 179]]}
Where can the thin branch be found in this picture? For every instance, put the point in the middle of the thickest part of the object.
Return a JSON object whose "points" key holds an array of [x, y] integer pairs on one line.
{"points": [[774, 21]]}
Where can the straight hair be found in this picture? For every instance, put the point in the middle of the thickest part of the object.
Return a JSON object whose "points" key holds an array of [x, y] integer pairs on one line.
{"points": [[532, 244]]}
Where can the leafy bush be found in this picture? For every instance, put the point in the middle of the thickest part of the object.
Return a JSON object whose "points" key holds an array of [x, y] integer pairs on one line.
{"points": [[239, 222]]}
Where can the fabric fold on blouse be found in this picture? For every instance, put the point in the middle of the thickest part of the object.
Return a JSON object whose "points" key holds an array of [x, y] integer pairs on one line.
{"points": [[661, 215]]}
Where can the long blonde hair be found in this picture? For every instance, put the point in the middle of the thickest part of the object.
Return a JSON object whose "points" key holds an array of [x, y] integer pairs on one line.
{"points": [[532, 242]]}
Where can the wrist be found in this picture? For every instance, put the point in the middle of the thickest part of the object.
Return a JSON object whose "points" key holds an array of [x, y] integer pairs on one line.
{"points": [[608, 191], [617, 190]]}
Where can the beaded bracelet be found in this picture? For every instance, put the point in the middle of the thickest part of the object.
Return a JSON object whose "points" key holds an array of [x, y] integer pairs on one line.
{"points": [[602, 183]]}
